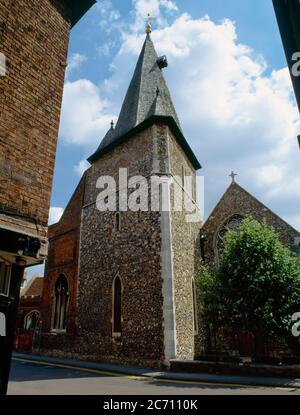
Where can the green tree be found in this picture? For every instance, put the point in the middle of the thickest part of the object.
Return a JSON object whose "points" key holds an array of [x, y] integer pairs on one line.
{"points": [[257, 285]]}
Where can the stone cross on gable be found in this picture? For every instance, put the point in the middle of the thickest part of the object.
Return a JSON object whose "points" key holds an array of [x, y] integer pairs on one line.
{"points": [[233, 176]]}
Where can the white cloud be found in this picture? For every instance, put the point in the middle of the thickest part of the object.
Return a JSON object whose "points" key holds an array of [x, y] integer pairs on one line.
{"points": [[81, 167], [269, 175], [55, 214], [85, 118], [105, 48], [169, 5], [105, 7], [158, 9], [75, 61], [109, 16], [153, 7]]}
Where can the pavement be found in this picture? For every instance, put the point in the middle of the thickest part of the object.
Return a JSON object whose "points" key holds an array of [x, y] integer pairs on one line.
{"points": [[114, 369]]}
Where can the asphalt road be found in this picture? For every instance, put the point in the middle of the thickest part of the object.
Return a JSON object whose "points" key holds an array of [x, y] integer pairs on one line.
{"points": [[39, 379]]}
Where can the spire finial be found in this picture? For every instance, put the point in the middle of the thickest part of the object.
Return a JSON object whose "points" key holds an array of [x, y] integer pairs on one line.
{"points": [[233, 176], [149, 19]]}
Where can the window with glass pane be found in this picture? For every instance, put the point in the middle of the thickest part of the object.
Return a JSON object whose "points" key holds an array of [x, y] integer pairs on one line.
{"points": [[60, 304]]}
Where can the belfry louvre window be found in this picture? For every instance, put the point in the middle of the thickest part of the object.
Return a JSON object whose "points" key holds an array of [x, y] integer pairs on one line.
{"points": [[5, 274], [117, 307], [61, 299]]}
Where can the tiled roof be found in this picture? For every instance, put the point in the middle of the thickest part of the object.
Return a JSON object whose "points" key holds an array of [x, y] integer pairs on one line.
{"points": [[34, 288]]}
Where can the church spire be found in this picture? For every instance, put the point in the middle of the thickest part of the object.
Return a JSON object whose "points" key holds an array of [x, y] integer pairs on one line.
{"points": [[141, 97], [141, 93], [147, 98]]}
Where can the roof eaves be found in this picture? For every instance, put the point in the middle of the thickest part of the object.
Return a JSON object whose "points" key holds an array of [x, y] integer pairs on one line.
{"points": [[77, 9], [149, 121]]}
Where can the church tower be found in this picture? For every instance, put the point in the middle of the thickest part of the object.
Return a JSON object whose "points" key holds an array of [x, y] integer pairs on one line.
{"points": [[135, 293]]}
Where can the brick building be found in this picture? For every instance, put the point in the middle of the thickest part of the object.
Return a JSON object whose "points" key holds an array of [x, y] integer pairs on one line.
{"points": [[119, 284], [34, 38], [64, 238]]}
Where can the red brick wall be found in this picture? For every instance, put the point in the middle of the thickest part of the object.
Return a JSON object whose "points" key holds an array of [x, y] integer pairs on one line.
{"points": [[34, 38], [63, 258]]}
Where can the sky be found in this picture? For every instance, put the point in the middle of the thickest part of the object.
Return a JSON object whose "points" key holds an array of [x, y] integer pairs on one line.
{"points": [[228, 79]]}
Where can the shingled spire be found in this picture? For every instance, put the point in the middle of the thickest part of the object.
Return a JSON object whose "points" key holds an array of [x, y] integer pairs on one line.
{"points": [[148, 97], [142, 92]]}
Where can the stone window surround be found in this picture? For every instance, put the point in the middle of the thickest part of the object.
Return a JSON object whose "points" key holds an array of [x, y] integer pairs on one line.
{"points": [[61, 330], [216, 235], [27, 316]]}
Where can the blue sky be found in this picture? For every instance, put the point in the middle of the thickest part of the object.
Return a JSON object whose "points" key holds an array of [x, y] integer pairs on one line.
{"points": [[228, 78]]}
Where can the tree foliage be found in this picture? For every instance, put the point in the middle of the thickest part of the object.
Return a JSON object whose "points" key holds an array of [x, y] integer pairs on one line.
{"points": [[257, 284]]}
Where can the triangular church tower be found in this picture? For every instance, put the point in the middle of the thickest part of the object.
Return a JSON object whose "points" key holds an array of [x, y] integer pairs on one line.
{"points": [[135, 298]]}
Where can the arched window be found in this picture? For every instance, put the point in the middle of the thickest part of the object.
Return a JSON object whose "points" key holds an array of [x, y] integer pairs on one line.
{"points": [[61, 297], [195, 308], [31, 320], [232, 225], [117, 307]]}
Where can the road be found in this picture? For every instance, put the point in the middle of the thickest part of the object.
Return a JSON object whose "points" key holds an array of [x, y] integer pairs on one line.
{"points": [[29, 378]]}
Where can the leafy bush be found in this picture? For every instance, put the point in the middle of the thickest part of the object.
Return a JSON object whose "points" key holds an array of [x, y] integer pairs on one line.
{"points": [[257, 285]]}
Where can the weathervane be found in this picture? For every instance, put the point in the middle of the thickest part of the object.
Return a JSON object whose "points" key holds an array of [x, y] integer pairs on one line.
{"points": [[233, 176], [149, 19]]}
